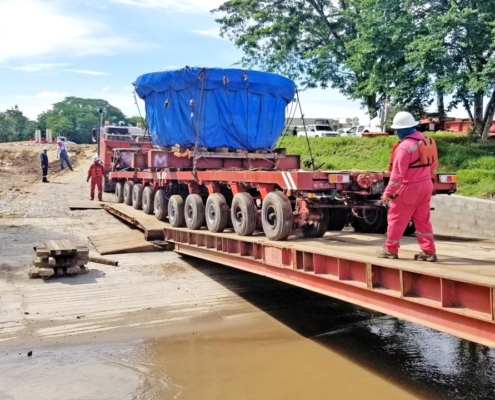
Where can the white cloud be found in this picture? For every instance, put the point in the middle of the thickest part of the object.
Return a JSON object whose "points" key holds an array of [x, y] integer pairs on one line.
{"points": [[105, 89], [86, 72], [39, 67], [35, 28], [214, 32], [185, 6]]}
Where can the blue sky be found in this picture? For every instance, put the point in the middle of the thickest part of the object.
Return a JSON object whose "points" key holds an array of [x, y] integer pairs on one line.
{"points": [[50, 49]]}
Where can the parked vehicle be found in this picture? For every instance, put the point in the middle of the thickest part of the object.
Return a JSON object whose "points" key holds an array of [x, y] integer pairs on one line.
{"points": [[318, 130]]}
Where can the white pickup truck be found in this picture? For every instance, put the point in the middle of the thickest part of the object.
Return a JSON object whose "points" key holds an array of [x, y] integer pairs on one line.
{"points": [[358, 130], [318, 130]]}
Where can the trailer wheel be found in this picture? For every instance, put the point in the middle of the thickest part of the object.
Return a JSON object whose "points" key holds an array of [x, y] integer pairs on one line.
{"points": [[243, 214], [176, 211], [128, 186], [119, 192], [372, 221], [137, 196], [318, 228], [194, 212], [148, 200], [160, 208], [336, 219], [276, 216], [216, 212]]}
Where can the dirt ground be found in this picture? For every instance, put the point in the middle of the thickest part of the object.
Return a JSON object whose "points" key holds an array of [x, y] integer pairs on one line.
{"points": [[147, 294]]}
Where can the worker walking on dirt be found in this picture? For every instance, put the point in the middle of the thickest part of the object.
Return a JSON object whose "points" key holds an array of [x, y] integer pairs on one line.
{"points": [[63, 155], [409, 191], [44, 164], [96, 172]]}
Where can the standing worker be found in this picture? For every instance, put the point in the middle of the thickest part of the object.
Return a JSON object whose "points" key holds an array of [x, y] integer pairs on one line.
{"points": [[44, 164], [413, 159], [62, 154], [96, 172]]}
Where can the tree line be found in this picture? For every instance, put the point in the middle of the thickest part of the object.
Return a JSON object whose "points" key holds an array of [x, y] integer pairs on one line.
{"points": [[410, 52], [73, 118]]}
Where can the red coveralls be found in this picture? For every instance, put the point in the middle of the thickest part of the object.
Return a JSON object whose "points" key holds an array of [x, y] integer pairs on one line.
{"points": [[96, 173], [414, 189]]}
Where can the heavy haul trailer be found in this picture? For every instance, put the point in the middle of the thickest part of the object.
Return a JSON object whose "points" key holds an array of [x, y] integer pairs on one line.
{"points": [[214, 132], [251, 190], [116, 137]]}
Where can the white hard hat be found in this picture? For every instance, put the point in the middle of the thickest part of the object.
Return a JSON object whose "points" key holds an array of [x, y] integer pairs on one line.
{"points": [[403, 120], [96, 158], [45, 148]]}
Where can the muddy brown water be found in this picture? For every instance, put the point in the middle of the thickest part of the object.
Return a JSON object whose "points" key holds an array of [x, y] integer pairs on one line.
{"points": [[300, 345]]}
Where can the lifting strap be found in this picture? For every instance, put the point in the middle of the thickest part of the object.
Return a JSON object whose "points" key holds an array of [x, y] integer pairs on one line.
{"points": [[427, 149]]}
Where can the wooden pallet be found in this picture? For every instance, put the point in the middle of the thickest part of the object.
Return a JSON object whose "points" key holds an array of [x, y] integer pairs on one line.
{"points": [[59, 257]]}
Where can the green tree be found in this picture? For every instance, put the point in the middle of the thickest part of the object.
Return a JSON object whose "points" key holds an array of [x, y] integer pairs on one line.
{"points": [[457, 48], [137, 120], [75, 117], [15, 126], [386, 29], [306, 40]]}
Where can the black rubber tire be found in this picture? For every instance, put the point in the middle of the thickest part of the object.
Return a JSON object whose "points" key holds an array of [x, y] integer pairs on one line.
{"points": [[194, 212], [128, 186], [176, 211], [276, 216], [336, 220], [160, 205], [243, 214], [148, 200], [410, 229], [137, 196], [216, 213], [119, 192], [318, 228], [372, 221], [108, 187]]}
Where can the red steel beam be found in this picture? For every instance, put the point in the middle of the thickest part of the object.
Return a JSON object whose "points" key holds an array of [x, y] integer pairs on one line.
{"points": [[458, 308]]}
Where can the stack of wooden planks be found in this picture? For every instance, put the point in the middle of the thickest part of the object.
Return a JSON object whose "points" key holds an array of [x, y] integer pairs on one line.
{"points": [[59, 257]]}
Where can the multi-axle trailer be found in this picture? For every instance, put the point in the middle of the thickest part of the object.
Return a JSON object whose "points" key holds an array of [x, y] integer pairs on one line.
{"points": [[210, 160], [251, 190]]}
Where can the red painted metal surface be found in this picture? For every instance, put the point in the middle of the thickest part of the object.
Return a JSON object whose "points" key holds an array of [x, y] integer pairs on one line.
{"points": [[464, 309]]}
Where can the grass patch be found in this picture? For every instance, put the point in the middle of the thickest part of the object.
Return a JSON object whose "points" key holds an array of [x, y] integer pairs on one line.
{"points": [[473, 162]]}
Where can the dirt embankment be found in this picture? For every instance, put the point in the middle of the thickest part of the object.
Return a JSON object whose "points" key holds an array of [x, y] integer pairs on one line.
{"points": [[20, 166]]}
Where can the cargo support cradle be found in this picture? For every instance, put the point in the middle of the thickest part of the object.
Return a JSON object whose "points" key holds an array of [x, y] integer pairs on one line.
{"points": [[404, 289]]}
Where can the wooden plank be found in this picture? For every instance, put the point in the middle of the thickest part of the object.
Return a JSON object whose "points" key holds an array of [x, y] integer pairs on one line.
{"points": [[67, 245], [101, 260], [130, 237], [131, 242], [152, 227], [87, 204]]}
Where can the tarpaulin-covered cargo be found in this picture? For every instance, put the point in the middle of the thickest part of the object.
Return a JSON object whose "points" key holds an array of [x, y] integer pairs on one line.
{"points": [[238, 109]]}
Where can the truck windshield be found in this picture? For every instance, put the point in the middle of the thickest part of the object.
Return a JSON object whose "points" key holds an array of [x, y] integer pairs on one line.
{"points": [[323, 128]]}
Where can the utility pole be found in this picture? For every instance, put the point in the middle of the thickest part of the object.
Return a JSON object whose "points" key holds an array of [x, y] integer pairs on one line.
{"points": [[99, 131]]}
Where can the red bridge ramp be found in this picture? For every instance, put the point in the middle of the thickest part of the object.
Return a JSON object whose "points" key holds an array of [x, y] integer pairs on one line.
{"points": [[454, 295]]}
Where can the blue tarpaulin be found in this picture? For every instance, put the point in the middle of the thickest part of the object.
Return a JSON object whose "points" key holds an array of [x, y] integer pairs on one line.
{"points": [[238, 109]]}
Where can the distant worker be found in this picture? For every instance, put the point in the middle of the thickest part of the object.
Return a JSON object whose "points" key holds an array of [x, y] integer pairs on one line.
{"points": [[63, 155], [96, 173], [412, 161], [44, 164], [294, 131]]}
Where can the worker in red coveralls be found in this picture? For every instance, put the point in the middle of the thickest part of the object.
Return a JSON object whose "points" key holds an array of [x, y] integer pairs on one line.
{"points": [[96, 172], [409, 192]]}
